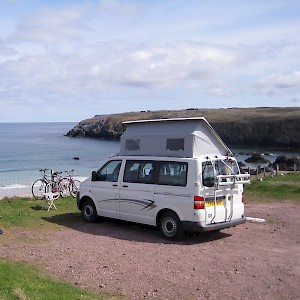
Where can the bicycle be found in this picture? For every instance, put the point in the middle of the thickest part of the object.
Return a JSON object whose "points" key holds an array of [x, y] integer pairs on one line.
{"points": [[73, 184], [47, 185]]}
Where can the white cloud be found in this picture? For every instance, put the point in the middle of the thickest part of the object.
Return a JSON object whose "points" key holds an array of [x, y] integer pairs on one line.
{"points": [[280, 84], [102, 52], [117, 6], [50, 26]]}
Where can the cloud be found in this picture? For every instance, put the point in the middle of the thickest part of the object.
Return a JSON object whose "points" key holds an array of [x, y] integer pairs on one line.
{"points": [[117, 6], [167, 64], [280, 84], [50, 26], [219, 89]]}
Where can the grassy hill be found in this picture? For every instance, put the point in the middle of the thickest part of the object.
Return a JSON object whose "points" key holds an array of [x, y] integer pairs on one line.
{"points": [[268, 127]]}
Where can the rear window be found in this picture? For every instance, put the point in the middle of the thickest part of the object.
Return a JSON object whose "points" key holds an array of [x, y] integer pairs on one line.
{"points": [[172, 173], [218, 167]]}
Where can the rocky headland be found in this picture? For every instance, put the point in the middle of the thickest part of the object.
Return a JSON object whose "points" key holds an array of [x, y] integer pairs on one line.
{"points": [[264, 127]]}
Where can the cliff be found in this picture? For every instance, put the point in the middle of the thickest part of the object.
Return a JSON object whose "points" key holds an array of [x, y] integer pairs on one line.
{"points": [[267, 127]]}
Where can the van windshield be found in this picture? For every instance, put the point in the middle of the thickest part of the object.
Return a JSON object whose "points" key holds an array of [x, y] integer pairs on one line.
{"points": [[210, 169]]}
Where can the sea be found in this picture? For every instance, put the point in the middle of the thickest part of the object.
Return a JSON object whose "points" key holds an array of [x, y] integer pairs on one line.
{"points": [[25, 148]]}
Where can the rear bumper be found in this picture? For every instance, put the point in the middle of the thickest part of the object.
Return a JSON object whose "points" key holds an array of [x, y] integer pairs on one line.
{"points": [[199, 227]]}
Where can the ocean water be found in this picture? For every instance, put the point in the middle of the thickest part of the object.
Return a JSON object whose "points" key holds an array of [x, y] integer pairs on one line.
{"points": [[27, 147]]}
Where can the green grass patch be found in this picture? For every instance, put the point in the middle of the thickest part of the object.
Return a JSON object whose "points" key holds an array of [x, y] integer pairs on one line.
{"points": [[25, 282], [278, 188], [29, 213]]}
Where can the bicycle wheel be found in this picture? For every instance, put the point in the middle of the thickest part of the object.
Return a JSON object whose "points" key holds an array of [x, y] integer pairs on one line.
{"points": [[64, 188], [38, 189], [74, 187]]}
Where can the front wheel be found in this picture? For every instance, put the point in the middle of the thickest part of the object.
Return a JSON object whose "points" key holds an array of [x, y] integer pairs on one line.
{"points": [[64, 188], [89, 212], [170, 226], [38, 189], [74, 187]]}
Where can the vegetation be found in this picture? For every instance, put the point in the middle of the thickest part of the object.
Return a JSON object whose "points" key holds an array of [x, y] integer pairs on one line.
{"points": [[278, 188], [23, 281], [30, 213]]}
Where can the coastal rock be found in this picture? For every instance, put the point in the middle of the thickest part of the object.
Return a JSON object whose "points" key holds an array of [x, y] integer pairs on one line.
{"points": [[287, 163], [267, 127], [257, 159]]}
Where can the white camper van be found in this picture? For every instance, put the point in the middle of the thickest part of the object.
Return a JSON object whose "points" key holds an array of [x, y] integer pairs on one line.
{"points": [[173, 173]]}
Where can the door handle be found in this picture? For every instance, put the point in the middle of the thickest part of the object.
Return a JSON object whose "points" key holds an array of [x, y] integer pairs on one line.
{"points": [[115, 185], [124, 185]]}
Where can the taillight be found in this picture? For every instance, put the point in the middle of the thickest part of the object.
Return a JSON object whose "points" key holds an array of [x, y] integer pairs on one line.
{"points": [[243, 197], [198, 202]]}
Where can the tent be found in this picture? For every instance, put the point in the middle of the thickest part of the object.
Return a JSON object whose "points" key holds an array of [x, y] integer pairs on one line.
{"points": [[176, 137]]}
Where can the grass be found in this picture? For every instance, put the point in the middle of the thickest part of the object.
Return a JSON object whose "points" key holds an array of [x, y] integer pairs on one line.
{"points": [[278, 188], [25, 282], [30, 213]]}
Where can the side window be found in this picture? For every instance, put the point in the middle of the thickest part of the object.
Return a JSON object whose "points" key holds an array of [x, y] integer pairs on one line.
{"points": [[132, 145], [110, 172], [175, 144], [173, 173], [137, 171]]}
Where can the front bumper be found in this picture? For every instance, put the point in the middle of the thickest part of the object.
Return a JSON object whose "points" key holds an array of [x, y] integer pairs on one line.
{"points": [[199, 227], [78, 200]]}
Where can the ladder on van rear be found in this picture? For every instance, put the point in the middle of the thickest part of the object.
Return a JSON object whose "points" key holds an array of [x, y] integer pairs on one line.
{"points": [[222, 184]]}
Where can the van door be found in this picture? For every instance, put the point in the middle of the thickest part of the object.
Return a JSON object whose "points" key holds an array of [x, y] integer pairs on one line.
{"points": [[221, 202], [105, 189], [137, 192]]}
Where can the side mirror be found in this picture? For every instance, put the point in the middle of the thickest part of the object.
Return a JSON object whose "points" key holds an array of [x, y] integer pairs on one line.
{"points": [[94, 176]]}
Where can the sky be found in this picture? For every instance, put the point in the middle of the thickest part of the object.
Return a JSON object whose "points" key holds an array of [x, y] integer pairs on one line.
{"points": [[68, 60]]}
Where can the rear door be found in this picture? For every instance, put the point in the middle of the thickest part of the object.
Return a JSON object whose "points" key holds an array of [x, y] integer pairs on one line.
{"points": [[221, 202]]}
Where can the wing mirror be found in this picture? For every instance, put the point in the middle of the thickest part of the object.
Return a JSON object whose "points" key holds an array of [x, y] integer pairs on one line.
{"points": [[94, 176]]}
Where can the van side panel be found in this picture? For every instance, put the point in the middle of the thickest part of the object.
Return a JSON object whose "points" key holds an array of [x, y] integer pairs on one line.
{"points": [[179, 199], [136, 202]]}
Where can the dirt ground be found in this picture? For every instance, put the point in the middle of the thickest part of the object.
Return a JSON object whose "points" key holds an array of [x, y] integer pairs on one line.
{"points": [[250, 261]]}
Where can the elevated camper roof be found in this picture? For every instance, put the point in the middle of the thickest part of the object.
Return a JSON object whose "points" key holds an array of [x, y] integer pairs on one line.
{"points": [[175, 137]]}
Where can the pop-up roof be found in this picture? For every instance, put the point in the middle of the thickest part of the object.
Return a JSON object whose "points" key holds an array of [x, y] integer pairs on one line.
{"points": [[178, 137]]}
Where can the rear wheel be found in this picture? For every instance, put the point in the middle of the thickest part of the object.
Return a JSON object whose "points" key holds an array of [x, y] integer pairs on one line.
{"points": [[38, 189], [170, 226], [89, 212]]}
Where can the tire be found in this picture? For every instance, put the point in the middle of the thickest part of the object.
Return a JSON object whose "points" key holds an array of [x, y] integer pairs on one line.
{"points": [[38, 189], [64, 188], [170, 226], [88, 211], [74, 187]]}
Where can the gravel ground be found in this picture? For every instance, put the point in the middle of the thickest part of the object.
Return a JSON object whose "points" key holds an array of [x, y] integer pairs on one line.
{"points": [[250, 261]]}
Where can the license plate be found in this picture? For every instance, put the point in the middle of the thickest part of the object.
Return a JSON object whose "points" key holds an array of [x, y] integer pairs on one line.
{"points": [[212, 203]]}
